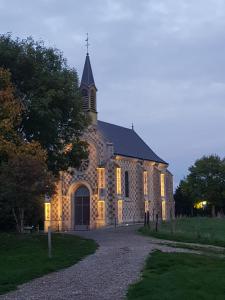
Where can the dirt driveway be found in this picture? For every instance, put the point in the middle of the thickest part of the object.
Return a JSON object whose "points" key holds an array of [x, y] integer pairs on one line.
{"points": [[106, 274]]}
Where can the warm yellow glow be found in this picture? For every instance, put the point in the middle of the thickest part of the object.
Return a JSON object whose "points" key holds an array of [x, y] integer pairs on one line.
{"points": [[120, 211], [101, 178], [163, 210], [200, 205], [68, 148], [146, 206], [118, 181], [162, 177], [101, 211], [47, 211], [145, 179]]}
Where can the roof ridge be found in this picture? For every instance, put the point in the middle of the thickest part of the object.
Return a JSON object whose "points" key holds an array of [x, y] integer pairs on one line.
{"points": [[128, 143], [116, 125], [147, 144]]}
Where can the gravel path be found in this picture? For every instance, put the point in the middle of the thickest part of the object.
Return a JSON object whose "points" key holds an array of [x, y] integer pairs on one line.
{"points": [[106, 274]]}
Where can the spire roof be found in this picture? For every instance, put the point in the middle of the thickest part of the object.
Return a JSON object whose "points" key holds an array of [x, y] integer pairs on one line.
{"points": [[87, 77]]}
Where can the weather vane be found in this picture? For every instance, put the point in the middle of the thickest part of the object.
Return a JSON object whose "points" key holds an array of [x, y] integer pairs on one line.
{"points": [[87, 42]]}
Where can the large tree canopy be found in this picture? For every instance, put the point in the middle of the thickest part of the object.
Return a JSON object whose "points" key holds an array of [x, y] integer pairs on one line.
{"points": [[50, 95], [24, 175], [205, 182]]}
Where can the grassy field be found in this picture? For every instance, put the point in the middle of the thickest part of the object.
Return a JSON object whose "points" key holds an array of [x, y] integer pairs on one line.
{"points": [[24, 257], [194, 230], [171, 276]]}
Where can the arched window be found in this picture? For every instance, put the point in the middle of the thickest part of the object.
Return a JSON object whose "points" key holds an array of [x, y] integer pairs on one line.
{"points": [[82, 206], [126, 184], [93, 102], [145, 180], [84, 94], [118, 180], [82, 191]]}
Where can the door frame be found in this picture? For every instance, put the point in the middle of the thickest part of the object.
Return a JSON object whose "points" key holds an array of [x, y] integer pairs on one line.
{"points": [[83, 199], [71, 191]]}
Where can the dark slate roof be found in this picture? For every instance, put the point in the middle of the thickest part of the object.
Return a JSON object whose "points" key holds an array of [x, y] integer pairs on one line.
{"points": [[87, 77], [127, 142]]}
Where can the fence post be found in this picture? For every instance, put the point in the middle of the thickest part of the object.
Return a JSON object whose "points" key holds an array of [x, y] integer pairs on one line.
{"points": [[115, 222], [49, 242], [148, 218], [156, 223]]}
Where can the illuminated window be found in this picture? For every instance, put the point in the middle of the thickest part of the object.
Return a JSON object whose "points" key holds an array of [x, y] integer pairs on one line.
{"points": [[118, 181], [163, 210], [162, 185], [47, 211], [126, 184], [101, 210], [145, 179], [146, 206], [120, 211], [101, 178]]}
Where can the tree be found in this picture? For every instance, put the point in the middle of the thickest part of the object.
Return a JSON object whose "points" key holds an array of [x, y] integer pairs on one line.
{"points": [[51, 99], [25, 181], [206, 181], [24, 175], [183, 200], [10, 117]]}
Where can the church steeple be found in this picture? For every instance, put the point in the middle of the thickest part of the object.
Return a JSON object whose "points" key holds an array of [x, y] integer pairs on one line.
{"points": [[87, 76], [88, 90]]}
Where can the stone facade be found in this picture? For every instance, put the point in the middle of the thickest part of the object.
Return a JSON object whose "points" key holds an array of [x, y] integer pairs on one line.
{"points": [[107, 206], [109, 188]]}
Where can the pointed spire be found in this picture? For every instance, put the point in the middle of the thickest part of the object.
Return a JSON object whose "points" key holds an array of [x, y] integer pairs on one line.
{"points": [[87, 77], [88, 89]]}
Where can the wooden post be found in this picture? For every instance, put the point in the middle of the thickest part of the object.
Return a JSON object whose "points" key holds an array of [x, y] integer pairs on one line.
{"points": [[49, 242], [145, 220], [156, 223], [148, 219]]}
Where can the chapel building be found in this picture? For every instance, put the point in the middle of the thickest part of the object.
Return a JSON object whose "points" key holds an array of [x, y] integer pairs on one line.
{"points": [[120, 181]]}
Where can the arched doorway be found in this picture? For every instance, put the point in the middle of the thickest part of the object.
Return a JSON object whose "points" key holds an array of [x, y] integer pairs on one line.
{"points": [[82, 208]]}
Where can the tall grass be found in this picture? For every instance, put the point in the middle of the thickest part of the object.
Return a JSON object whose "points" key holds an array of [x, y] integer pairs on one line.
{"points": [[197, 230]]}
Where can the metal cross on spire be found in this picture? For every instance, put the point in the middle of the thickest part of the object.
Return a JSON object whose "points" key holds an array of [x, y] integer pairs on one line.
{"points": [[87, 42]]}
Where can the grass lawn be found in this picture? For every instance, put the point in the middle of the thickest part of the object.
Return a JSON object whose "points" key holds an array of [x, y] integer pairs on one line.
{"points": [[171, 276], [194, 230], [24, 257]]}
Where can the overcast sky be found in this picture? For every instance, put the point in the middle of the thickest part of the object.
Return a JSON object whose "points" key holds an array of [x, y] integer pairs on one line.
{"points": [[158, 64]]}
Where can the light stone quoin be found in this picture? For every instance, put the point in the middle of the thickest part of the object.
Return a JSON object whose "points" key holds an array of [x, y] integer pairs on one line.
{"points": [[97, 194]]}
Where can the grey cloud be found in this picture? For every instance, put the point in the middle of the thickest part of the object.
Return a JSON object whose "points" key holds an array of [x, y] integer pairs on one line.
{"points": [[157, 63]]}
